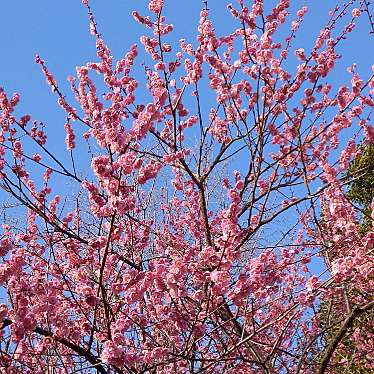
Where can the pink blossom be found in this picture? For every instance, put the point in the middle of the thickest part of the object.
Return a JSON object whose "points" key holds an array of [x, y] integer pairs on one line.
{"points": [[205, 220], [356, 12]]}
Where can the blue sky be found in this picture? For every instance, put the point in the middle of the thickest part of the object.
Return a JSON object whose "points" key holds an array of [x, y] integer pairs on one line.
{"points": [[58, 31]]}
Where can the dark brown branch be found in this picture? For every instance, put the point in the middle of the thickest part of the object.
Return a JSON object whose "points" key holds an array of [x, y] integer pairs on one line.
{"points": [[346, 325], [93, 360]]}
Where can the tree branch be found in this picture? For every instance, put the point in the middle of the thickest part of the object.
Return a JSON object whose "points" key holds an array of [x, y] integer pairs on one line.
{"points": [[93, 360], [347, 324]]}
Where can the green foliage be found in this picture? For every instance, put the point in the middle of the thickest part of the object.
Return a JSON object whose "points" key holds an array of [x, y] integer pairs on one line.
{"points": [[346, 360], [361, 189], [361, 193]]}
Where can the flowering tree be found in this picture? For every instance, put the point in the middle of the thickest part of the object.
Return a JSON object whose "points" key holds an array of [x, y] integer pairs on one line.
{"points": [[194, 242]]}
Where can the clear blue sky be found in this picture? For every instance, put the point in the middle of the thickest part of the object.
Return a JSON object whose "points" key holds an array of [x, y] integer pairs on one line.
{"points": [[58, 31]]}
